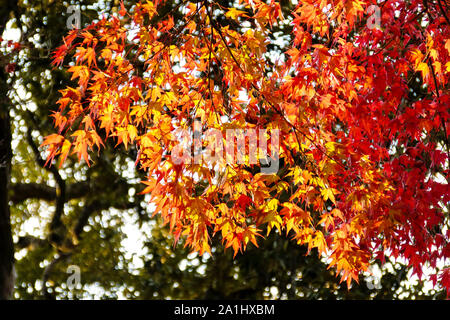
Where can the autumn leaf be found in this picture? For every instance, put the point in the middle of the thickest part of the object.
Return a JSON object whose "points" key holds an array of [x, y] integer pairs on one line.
{"points": [[362, 138]]}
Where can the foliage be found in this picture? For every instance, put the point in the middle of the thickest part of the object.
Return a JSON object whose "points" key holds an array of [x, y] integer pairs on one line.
{"points": [[362, 113]]}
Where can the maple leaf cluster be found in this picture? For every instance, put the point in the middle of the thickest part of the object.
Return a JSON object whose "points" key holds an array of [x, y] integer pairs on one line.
{"points": [[364, 157]]}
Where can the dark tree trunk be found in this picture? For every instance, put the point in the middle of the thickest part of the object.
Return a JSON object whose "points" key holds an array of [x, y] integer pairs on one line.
{"points": [[6, 243]]}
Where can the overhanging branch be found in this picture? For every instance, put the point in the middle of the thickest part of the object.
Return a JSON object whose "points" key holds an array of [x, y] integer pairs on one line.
{"points": [[22, 191]]}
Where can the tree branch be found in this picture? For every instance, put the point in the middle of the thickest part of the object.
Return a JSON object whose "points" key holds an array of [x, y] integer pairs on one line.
{"points": [[443, 12], [83, 219], [277, 110], [61, 189], [59, 257], [27, 241]]}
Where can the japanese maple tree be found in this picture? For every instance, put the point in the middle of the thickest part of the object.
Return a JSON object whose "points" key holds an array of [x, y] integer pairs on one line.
{"points": [[357, 89]]}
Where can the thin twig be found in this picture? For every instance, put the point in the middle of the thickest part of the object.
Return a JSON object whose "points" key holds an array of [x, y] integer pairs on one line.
{"points": [[46, 275]]}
